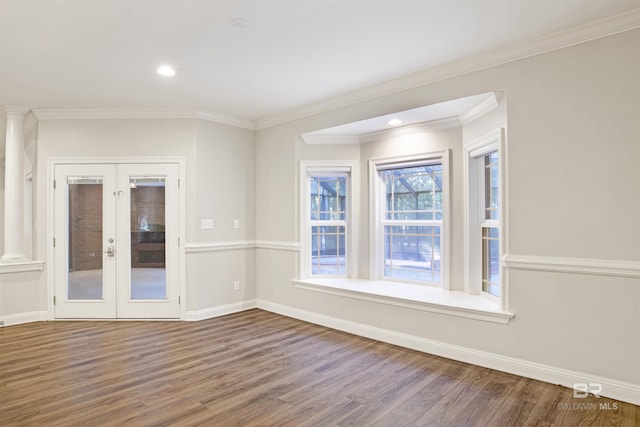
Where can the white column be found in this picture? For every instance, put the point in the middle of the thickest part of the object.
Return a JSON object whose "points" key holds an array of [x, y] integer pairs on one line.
{"points": [[14, 187]]}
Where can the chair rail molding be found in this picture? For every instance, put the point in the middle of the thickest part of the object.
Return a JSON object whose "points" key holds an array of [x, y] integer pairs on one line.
{"points": [[242, 244], [599, 267]]}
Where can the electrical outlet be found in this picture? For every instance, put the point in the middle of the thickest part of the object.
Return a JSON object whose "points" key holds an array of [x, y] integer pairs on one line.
{"points": [[236, 285], [206, 223], [236, 223]]}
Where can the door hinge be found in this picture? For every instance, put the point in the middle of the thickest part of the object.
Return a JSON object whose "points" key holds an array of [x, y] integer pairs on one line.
{"points": [[178, 183], [54, 242], [54, 300], [178, 242], [54, 184], [178, 299]]}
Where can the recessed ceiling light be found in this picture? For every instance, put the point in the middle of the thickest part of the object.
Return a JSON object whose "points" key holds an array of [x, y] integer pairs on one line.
{"points": [[394, 122], [166, 71]]}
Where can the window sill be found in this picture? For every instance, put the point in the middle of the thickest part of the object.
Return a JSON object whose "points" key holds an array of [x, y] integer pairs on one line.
{"points": [[412, 296], [21, 267]]}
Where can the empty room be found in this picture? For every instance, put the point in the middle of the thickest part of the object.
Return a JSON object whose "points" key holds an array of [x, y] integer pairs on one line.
{"points": [[320, 213]]}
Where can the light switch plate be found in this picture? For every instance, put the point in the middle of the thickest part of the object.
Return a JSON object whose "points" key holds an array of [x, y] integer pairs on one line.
{"points": [[206, 223]]}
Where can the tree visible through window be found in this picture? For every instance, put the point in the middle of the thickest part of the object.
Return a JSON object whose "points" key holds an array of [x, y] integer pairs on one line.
{"points": [[413, 222]]}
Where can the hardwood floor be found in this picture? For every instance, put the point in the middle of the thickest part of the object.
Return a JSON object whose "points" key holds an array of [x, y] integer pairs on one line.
{"points": [[259, 368]]}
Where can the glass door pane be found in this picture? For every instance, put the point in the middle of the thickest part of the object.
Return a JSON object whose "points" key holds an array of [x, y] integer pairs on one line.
{"points": [[85, 273], [148, 244], [85, 252], [148, 250]]}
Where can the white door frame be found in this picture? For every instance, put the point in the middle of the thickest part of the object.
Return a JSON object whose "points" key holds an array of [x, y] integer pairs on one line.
{"points": [[52, 162]]}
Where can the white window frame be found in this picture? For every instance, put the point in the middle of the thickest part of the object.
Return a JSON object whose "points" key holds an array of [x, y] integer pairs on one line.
{"points": [[475, 221], [346, 168], [377, 212]]}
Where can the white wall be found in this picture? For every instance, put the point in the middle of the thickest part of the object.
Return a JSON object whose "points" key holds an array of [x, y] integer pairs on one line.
{"points": [[573, 150], [224, 191]]}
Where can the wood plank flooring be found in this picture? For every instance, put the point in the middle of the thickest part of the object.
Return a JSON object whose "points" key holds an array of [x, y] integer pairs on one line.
{"points": [[259, 368]]}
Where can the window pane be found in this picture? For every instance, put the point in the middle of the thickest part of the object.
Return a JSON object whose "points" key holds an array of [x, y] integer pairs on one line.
{"points": [[491, 261], [148, 249], [85, 273], [328, 250], [412, 252], [413, 193], [328, 198], [491, 185]]}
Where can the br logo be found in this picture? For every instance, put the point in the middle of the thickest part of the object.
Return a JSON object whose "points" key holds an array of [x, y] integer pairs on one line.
{"points": [[582, 390]]}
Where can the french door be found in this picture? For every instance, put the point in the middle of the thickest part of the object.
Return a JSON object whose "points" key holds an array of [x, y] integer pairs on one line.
{"points": [[116, 241]]}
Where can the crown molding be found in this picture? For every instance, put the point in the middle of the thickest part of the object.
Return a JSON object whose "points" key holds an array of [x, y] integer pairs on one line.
{"points": [[13, 109], [430, 126], [226, 120], [111, 113], [138, 113], [477, 111], [572, 36], [312, 139]]}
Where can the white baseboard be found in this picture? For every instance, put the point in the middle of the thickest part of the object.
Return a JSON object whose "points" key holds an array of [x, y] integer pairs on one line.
{"points": [[19, 318], [221, 310], [614, 389]]}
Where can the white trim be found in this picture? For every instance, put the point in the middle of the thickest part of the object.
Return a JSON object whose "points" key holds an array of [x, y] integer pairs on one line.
{"points": [[430, 126], [311, 139], [111, 160], [21, 267], [473, 175], [218, 246], [221, 310], [278, 246], [598, 267], [413, 296], [191, 248], [612, 388], [14, 109], [477, 111], [226, 120], [182, 233], [138, 113], [561, 39], [20, 318], [317, 168]]}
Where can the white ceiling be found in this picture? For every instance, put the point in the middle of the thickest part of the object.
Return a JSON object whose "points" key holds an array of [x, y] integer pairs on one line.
{"points": [[291, 54]]}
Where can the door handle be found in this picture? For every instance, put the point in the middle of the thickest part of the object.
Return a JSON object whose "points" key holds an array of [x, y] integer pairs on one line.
{"points": [[111, 251]]}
